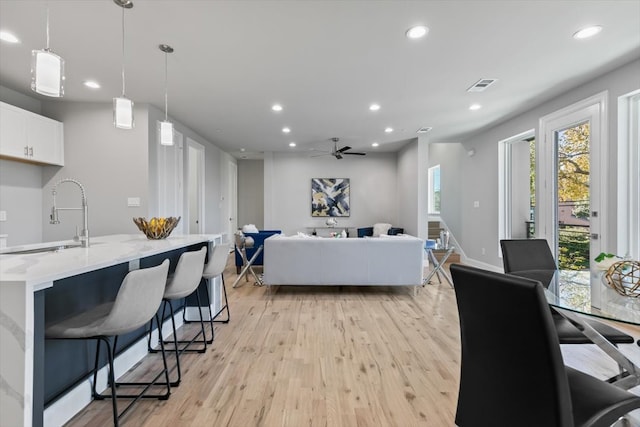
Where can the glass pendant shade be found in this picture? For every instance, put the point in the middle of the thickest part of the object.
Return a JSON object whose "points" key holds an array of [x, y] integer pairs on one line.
{"points": [[47, 73], [123, 113], [166, 133]]}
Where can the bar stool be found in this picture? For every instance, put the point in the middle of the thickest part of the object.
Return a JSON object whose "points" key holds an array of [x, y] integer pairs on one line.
{"points": [[181, 284], [136, 303], [214, 268]]}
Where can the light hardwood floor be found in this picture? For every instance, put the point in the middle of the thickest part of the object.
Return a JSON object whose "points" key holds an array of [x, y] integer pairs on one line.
{"points": [[324, 356]]}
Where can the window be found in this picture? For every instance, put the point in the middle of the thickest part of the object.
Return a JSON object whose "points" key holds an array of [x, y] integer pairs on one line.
{"points": [[434, 189]]}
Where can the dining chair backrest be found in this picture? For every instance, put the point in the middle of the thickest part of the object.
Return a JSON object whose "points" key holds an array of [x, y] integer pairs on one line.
{"points": [[510, 351], [137, 301], [217, 261], [526, 254], [187, 275]]}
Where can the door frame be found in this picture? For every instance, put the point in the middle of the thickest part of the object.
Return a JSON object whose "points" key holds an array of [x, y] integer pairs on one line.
{"points": [[199, 191], [595, 110]]}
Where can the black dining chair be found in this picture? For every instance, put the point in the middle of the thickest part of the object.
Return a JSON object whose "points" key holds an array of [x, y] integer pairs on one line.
{"points": [[534, 256], [512, 369]]}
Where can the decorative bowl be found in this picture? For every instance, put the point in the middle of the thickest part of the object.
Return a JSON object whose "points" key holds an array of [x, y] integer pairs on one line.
{"points": [[157, 228]]}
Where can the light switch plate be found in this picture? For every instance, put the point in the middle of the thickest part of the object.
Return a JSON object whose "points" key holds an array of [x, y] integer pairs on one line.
{"points": [[133, 201]]}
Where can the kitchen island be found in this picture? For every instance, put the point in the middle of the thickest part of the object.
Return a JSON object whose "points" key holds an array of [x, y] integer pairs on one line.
{"points": [[40, 287]]}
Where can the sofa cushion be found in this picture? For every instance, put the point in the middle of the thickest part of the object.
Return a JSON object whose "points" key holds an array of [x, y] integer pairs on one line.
{"points": [[380, 228]]}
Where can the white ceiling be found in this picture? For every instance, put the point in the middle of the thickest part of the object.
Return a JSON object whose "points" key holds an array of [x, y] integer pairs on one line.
{"points": [[325, 62]]}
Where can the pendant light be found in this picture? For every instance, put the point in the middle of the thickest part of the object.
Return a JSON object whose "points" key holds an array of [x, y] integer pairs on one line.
{"points": [[47, 70], [166, 127], [123, 106]]}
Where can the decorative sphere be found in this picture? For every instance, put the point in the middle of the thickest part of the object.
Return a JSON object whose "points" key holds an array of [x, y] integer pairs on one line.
{"points": [[624, 278]]}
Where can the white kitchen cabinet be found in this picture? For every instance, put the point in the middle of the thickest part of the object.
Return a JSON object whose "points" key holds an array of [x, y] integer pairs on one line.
{"points": [[30, 137]]}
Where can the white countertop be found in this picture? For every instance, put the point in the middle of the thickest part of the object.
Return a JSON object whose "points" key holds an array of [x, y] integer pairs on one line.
{"points": [[39, 270]]}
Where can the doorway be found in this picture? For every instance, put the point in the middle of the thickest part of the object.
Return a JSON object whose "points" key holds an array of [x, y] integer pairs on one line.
{"points": [[572, 178], [232, 193], [517, 196]]}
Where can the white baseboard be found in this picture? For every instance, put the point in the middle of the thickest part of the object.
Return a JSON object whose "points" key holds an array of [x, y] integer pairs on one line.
{"points": [[67, 406]]}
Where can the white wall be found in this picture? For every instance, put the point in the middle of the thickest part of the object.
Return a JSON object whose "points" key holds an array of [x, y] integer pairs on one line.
{"points": [[110, 163], [374, 185], [413, 174], [21, 186], [21, 198], [215, 177], [477, 228]]}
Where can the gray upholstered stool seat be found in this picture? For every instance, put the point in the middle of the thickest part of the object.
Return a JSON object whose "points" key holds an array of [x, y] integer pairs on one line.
{"points": [[214, 268], [181, 284], [136, 303]]}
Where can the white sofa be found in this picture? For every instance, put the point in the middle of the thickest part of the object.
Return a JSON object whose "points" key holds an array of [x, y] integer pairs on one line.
{"points": [[383, 261]]}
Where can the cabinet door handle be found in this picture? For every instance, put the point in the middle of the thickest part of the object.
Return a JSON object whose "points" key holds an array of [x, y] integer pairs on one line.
{"points": [[31, 151], [26, 150]]}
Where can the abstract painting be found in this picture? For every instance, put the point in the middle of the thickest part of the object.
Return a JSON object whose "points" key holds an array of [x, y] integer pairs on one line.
{"points": [[330, 197]]}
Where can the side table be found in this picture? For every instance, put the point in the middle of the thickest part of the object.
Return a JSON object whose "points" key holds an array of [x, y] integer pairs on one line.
{"points": [[437, 266]]}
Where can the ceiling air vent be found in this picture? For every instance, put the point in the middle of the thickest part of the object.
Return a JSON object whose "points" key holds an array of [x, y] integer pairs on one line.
{"points": [[424, 129], [481, 85]]}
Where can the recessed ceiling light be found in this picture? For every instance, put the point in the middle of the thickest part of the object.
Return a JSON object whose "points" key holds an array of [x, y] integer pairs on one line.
{"points": [[92, 84], [276, 107], [292, 144], [374, 107], [388, 130], [242, 150], [286, 130], [6, 36], [587, 32], [417, 32], [474, 107], [375, 144]]}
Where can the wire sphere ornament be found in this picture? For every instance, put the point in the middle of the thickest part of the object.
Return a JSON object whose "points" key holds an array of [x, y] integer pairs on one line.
{"points": [[624, 278]]}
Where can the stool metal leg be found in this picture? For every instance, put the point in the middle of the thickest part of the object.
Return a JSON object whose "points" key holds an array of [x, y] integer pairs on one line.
{"points": [[226, 305]]}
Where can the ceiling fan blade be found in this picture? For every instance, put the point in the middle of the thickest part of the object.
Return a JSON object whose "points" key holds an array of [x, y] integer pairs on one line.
{"points": [[356, 154], [338, 155], [343, 149]]}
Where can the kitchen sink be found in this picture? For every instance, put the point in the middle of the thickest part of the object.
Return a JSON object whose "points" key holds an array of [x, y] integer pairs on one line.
{"points": [[55, 248]]}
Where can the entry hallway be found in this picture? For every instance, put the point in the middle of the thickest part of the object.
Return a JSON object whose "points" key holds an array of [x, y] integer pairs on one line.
{"points": [[326, 356]]}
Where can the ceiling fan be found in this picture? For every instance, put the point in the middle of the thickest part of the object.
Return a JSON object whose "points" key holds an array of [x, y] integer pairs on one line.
{"points": [[339, 152]]}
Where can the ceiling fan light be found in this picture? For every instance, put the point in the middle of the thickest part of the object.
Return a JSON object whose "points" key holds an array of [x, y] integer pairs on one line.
{"points": [[123, 113], [47, 73], [166, 133]]}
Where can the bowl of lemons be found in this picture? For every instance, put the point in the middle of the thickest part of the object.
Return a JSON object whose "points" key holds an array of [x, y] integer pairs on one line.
{"points": [[157, 228]]}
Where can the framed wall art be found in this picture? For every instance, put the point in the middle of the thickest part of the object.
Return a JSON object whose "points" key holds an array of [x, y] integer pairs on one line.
{"points": [[330, 197]]}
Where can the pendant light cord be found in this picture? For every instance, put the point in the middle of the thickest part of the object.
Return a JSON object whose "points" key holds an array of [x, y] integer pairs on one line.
{"points": [[123, 87], [47, 27], [166, 89]]}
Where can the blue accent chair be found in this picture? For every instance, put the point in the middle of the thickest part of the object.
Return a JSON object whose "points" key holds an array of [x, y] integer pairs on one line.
{"points": [[368, 231], [258, 239]]}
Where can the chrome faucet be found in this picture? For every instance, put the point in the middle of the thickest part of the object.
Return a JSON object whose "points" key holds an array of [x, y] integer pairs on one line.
{"points": [[83, 236]]}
